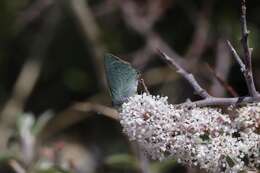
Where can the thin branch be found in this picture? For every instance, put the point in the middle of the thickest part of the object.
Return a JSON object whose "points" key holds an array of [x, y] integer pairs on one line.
{"points": [[237, 58], [245, 34], [246, 65], [215, 101], [207, 99], [223, 83], [144, 86], [247, 52], [188, 76]]}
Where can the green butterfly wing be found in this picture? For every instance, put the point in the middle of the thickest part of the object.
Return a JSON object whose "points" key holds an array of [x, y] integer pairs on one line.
{"points": [[122, 79]]}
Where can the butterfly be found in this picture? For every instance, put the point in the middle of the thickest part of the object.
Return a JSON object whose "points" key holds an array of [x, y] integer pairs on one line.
{"points": [[122, 79]]}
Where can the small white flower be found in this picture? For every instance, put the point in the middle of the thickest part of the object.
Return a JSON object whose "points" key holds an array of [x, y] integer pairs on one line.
{"points": [[248, 117], [203, 137]]}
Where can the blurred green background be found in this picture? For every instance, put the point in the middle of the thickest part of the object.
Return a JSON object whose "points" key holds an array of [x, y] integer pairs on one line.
{"points": [[51, 59]]}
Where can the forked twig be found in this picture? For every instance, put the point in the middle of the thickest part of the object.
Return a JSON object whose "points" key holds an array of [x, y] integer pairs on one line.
{"points": [[247, 52], [207, 100], [246, 69], [246, 64]]}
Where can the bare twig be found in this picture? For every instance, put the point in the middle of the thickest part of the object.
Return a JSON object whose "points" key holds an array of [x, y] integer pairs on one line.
{"points": [[188, 76], [215, 101], [223, 83], [246, 64], [244, 70], [245, 34], [237, 58], [207, 99], [247, 52], [144, 86]]}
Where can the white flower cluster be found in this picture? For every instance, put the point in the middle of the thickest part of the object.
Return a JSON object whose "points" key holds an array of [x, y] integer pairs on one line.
{"points": [[204, 137], [249, 117]]}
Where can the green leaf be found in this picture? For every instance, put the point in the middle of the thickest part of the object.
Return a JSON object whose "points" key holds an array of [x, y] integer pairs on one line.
{"points": [[122, 79]]}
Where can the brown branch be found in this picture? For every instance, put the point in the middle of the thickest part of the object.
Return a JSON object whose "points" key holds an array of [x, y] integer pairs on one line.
{"points": [[143, 26], [144, 86], [188, 76], [207, 99], [247, 52], [223, 83]]}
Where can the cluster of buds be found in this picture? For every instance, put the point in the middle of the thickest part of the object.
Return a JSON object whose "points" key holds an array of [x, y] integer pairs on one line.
{"points": [[205, 137]]}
